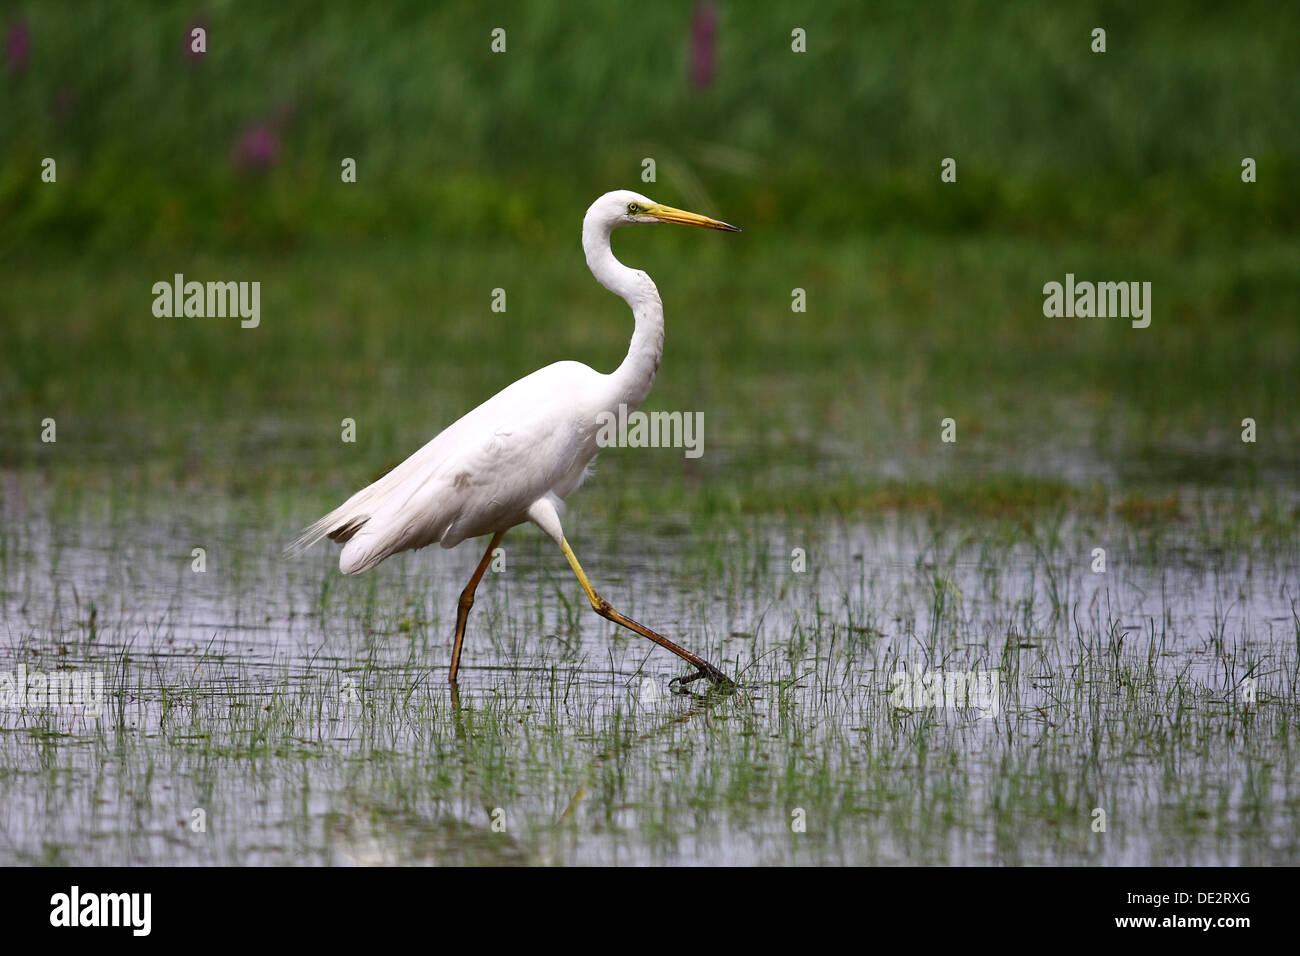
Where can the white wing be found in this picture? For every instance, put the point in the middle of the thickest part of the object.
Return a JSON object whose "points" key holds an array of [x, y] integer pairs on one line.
{"points": [[478, 475]]}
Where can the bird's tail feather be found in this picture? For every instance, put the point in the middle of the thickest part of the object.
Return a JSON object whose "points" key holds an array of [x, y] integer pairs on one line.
{"points": [[324, 528], [339, 525], [347, 519]]}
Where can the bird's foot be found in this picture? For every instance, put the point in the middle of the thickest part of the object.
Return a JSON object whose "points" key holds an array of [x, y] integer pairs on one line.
{"points": [[720, 681]]}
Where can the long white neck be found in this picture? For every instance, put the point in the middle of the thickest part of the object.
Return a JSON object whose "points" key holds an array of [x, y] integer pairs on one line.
{"points": [[633, 378]]}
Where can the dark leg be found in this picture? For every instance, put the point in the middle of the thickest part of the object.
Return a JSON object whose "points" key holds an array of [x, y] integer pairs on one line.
{"points": [[467, 602]]}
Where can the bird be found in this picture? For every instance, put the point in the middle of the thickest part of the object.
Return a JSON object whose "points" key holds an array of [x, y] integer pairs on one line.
{"points": [[516, 458]]}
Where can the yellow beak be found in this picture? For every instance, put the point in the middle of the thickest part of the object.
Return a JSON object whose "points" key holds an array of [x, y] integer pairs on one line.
{"points": [[682, 217]]}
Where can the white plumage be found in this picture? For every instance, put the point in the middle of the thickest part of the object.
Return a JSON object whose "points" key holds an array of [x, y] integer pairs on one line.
{"points": [[516, 457], [479, 475]]}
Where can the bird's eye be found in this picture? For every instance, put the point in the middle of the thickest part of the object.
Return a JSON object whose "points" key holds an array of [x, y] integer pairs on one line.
{"points": [[633, 208]]}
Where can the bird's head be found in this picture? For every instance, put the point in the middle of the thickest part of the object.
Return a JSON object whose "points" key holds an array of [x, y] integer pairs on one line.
{"points": [[626, 208]]}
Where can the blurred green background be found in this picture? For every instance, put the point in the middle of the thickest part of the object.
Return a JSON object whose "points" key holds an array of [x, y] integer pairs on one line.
{"points": [[474, 170]]}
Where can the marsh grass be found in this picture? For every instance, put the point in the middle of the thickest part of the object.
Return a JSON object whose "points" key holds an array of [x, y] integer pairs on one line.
{"points": [[307, 713], [309, 717], [231, 690]]}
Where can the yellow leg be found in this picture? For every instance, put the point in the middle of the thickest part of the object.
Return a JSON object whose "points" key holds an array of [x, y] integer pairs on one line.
{"points": [[603, 608], [467, 602]]}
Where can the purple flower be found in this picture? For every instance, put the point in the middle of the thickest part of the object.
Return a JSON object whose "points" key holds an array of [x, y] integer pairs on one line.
{"points": [[257, 147], [704, 28], [18, 45]]}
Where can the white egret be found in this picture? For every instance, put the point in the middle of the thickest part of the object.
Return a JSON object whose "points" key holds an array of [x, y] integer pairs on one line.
{"points": [[517, 456]]}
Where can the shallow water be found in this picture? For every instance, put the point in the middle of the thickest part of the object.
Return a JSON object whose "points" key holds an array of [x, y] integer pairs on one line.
{"points": [[304, 717]]}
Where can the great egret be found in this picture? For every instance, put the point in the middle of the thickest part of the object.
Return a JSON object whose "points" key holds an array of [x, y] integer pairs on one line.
{"points": [[517, 456]]}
